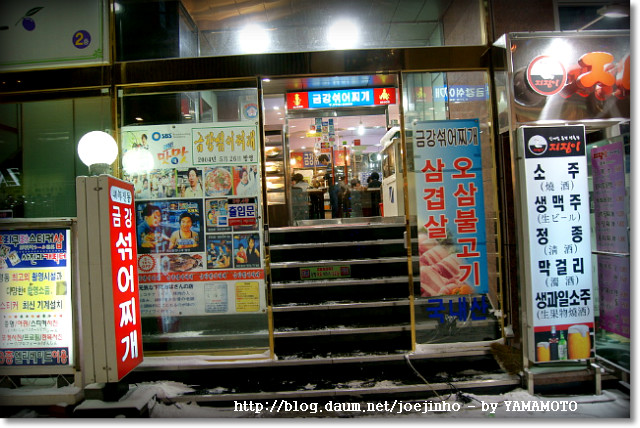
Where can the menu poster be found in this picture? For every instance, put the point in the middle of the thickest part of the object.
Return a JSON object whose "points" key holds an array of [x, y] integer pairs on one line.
{"points": [[609, 194], [557, 211], [612, 235], [195, 211], [614, 274], [450, 202], [36, 311]]}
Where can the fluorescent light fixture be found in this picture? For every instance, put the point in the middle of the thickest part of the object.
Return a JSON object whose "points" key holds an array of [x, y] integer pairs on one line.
{"points": [[614, 11], [609, 11]]}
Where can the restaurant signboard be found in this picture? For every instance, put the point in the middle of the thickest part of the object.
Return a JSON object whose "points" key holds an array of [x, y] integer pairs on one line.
{"points": [[557, 223]]}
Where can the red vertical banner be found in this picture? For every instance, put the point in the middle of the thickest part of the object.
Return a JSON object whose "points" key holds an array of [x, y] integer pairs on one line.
{"points": [[124, 271]]}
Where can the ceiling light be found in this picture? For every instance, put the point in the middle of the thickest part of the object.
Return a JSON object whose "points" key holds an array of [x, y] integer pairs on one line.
{"points": [[344, 34], [614, 11], [254, 39]]}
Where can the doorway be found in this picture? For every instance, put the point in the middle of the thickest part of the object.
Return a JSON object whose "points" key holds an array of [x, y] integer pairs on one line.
{"points": [[325, 147]]}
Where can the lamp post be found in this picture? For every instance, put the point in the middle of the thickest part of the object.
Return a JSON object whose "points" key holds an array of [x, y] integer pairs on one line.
{"points": [[97, 150]]}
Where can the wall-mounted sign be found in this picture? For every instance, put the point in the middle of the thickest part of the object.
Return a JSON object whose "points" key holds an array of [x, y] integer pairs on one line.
{"points": [[38, 34], [576, 76], [450, 204], [341, 98], [546, 75], [36, 311], [556, 209]]}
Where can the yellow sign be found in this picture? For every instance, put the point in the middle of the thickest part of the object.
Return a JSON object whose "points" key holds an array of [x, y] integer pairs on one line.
{"points": [[247, 297]]}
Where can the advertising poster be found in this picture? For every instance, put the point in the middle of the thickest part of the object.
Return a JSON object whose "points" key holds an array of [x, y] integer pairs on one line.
{"points": [[557, 205], [614, 275], [612, 235], [609, 196], [195, 212], [36, 309], [450, 204]]}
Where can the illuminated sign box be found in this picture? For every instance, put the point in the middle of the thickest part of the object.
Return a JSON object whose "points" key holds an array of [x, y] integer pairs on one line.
{"points": [[36, 308], [557, 227], [112, 332], [341, 98]]}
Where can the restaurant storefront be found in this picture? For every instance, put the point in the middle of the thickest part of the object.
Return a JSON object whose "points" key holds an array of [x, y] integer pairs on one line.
{"points": [[213, 144]]}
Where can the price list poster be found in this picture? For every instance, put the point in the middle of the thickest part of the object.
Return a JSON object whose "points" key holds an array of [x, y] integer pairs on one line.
{"points": [[557, 229], [612, 239]]}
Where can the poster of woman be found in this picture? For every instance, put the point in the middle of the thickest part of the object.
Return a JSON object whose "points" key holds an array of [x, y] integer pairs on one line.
{"points": [[246, 250]]}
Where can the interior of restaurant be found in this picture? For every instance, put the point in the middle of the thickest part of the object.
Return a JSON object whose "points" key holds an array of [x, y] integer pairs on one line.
{"points": [[299, 186]]}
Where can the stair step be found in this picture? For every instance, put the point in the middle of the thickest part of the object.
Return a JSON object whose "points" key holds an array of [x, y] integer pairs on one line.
{"points": [[339, 306], [386, 388], [340, 331], [337, 282], [284, 265], [299, 246]]}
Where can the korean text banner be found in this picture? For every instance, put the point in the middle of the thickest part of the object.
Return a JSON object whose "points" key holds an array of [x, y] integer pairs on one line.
{"points": [[450, 207], [126, 298], [557, 207], [36, 307]]}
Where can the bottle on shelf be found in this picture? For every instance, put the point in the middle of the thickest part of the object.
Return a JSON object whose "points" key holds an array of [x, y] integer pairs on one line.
{"points": [[562, 347], [553, 344]]}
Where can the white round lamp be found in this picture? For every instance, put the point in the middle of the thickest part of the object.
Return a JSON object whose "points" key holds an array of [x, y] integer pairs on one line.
{"points": [[137, 160], [97, 150]]}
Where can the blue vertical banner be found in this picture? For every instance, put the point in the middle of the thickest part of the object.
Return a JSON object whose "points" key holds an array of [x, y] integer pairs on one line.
{"points": [[450, 207]]}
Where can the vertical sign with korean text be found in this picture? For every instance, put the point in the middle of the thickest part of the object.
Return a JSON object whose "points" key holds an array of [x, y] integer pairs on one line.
{"points": [[450, 207], [124, 272], [36, 312], [556, 204]]}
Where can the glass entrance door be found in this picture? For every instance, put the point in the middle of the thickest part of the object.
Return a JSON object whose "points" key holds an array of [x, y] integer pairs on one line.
{"points": [[327, 154]]}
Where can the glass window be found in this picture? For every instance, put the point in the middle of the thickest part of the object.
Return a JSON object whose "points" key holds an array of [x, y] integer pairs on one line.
{"points": [[38, 160], [194, 159], [451, 193], [170, 29]]}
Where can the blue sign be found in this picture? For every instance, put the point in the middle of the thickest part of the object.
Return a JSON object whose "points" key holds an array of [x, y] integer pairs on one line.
{"points": [[33, 248], [461, 93], [341, 98], [450, 203]]}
